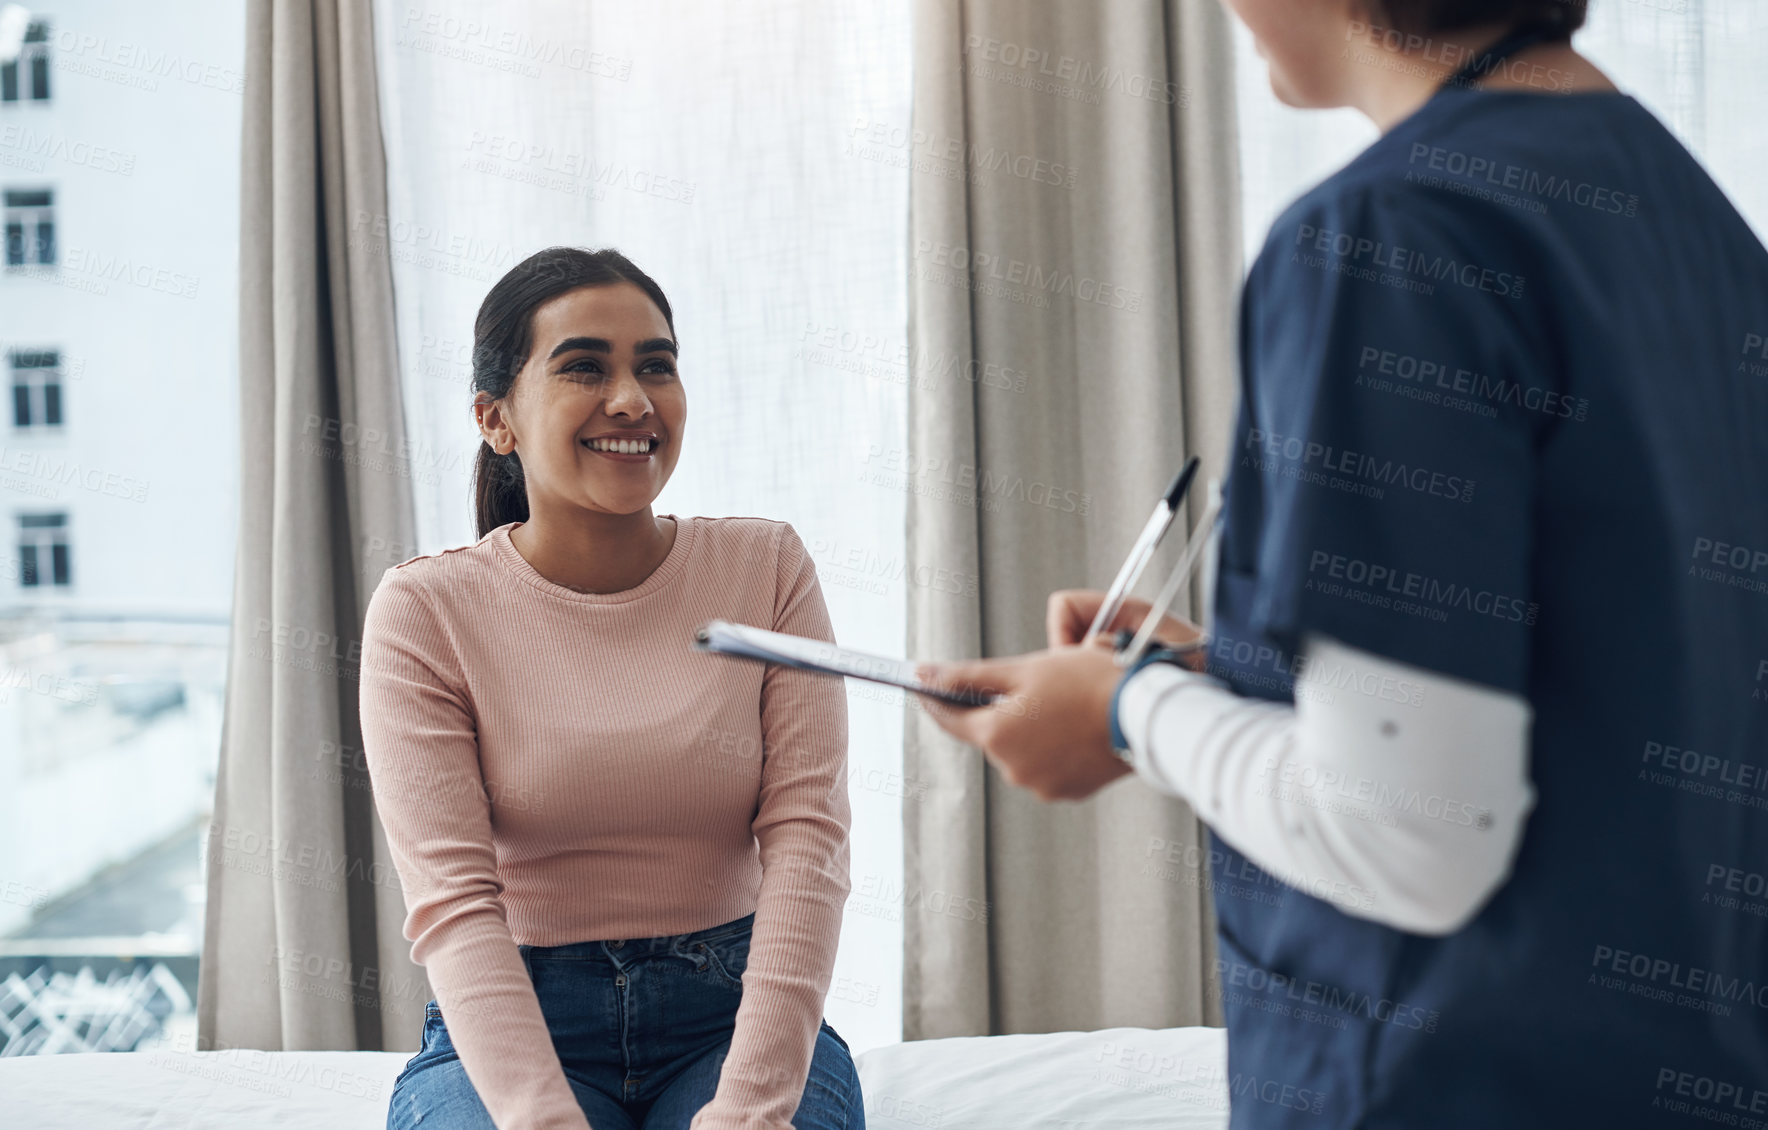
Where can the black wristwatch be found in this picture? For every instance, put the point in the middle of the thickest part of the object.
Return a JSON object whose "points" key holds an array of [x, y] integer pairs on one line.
{"points": [[1120, 744]]}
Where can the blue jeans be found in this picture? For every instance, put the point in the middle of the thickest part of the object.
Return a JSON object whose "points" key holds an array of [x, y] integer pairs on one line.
{"points": [[641, 1026]]}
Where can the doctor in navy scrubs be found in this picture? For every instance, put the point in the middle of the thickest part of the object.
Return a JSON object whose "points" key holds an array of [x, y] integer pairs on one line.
{"points": [[1480, 730]]}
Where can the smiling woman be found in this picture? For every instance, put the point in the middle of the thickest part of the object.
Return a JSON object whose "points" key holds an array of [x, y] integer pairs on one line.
{"points": [[595, 340], [547, 318], [594, 880]]}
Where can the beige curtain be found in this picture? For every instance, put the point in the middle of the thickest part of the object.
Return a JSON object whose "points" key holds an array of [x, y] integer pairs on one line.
{"points": [[1075, 265], [302, 948]]}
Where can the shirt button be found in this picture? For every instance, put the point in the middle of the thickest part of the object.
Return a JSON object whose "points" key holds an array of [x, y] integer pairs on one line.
{"points": [[620, 980], [616, 945]]}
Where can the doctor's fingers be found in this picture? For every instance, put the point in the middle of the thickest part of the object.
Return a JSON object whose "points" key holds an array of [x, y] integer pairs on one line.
{"points": [[1070, 612], [973, 724]]}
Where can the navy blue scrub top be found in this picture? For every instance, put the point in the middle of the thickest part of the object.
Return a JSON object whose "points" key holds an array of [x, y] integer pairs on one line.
{"points": [[1504, 415]]}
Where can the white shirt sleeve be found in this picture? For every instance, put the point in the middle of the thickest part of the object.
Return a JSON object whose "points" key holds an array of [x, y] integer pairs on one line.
{"points": [[1396, 793]]}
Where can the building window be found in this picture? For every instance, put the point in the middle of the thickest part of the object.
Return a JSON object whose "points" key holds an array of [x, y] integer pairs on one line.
{"points": [[32, 66], [30, 226], [43, 550], [36, 388]]}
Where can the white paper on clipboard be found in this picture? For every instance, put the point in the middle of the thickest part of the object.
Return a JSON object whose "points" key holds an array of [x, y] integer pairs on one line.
{"points": [[746, 642]]}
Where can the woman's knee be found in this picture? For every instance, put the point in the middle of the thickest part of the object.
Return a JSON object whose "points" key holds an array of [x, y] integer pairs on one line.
{"points": [[439, 1096], [832, 1098]]}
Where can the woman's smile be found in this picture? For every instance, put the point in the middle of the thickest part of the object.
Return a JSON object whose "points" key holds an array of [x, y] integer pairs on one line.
{"points": [[623, 447]]}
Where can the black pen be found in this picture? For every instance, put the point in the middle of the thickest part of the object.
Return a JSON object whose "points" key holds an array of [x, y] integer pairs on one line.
{"points": [[1158, 523]]}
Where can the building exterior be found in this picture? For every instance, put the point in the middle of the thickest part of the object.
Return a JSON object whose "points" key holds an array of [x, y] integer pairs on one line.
{"points": [[119, 177]]}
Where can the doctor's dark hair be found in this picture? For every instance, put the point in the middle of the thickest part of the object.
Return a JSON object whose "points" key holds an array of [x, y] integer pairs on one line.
{"points": [[1422, 17], [503, 335]]}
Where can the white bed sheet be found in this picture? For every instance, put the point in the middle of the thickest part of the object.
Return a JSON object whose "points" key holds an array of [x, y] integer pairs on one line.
{"points": [[1122, 1078], [1116, 1078], [235, 1089]]}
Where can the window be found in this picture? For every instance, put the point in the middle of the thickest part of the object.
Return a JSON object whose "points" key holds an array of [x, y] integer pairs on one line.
{"points": [[43, 550], [36, 389], [30, 226], [111, 718], [32, 63]]}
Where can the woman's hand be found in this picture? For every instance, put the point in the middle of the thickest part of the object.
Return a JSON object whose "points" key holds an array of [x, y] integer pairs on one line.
{"points": [[1071, 611], [1052, 732]]}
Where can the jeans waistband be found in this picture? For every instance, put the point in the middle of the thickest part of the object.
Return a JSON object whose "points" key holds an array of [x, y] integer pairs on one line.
{"points": [[632, 947]]}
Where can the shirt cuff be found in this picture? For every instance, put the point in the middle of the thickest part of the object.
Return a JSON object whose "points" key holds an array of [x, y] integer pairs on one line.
{"points": [[1138, 695]]}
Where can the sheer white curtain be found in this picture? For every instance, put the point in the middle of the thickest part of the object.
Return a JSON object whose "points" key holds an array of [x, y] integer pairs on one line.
{"points": [[723, 148], [1696, 64]]}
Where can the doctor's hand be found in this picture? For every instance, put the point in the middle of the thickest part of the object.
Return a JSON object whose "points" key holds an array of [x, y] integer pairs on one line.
{"points": [[1052, 733], [1070, 613]]}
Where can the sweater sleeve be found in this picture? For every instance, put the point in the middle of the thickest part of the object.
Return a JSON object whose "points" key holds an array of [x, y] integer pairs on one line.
{"points": [[420, 739], [801, 825]]}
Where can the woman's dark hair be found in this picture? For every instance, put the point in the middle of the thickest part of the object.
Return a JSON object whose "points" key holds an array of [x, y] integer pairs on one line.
{"points": [[1422, 17], [503, 335]]}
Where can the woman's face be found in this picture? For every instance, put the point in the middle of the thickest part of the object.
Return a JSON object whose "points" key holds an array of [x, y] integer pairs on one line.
{"points": [[598, 410], [1304, 42]]}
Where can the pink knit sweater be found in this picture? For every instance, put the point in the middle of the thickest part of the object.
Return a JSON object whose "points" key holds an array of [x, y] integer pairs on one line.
{"points": [[553, 766]]}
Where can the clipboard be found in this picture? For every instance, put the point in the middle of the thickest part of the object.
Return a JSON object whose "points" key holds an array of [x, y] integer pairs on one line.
{"points": [[740, 641]]}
